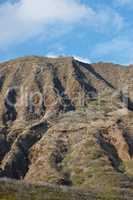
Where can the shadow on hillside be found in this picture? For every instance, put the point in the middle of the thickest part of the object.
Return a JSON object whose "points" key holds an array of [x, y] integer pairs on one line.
{"points": [[2, 78], [127, 101], [111, 152], [17, 163], [60, 90], [91, 69], [85, 83], [10, 101]]}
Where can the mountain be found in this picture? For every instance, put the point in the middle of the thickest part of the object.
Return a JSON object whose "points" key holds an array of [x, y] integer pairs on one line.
{"points": [[67, 125]]}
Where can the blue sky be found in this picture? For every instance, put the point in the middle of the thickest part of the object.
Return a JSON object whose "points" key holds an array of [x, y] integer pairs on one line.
{"points": [[91, 30]]}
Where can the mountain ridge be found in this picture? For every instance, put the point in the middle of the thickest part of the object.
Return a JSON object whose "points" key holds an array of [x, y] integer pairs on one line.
{"points": [[69, 123]]}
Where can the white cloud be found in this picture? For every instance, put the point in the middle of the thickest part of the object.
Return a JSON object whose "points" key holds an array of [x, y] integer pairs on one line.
{"points": [[79, 58], [29, 18], [115, 45], [52, 10], [106, 19], [51, 55], [125, 2], [120, 48], [82, 59]]}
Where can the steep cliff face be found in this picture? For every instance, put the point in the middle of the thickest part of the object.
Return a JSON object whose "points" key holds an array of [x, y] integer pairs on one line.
{"points": [[67, 123]]}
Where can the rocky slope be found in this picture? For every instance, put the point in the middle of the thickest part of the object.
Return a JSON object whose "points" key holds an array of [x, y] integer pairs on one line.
{"points": [[68, 123]]}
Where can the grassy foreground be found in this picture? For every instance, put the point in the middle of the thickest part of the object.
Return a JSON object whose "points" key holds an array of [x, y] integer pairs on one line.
{"points": [[18, 190]]}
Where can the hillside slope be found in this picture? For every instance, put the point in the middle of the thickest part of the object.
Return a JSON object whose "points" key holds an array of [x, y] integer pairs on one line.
{"points": [[68, 123]]}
